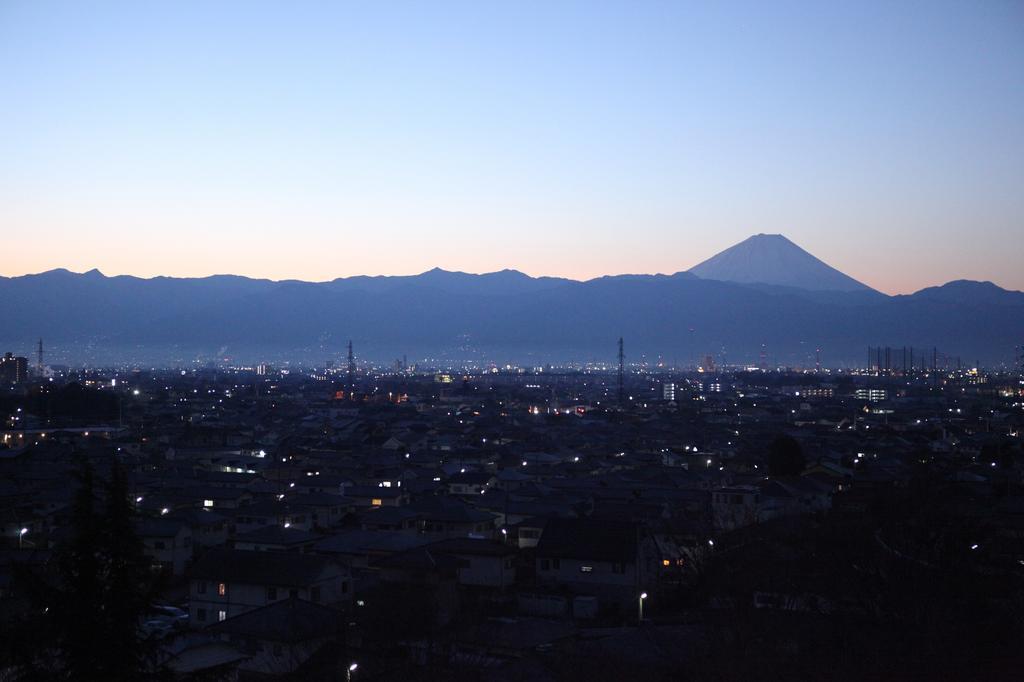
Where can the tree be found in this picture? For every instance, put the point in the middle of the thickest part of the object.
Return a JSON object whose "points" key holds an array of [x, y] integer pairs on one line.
{"points": [[86, 619], [785, 457], [77, 601], [129, 586]]}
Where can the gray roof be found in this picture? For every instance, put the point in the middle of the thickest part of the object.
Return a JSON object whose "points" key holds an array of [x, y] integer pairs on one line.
{"points": [[288, 620], [261, 568]]}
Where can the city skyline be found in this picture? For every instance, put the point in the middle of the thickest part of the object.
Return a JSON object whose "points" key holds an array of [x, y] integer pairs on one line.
{"points": [[575, 141]]}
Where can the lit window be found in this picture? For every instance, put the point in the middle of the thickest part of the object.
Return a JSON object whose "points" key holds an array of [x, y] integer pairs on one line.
{"points": [[222, 589], [207, 503], [586, 569], [222, 615], [376, 502]]}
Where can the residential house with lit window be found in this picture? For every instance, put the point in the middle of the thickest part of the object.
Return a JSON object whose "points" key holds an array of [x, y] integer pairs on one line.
{"points": [[225, 583], [278, 638], [611, 560], [375, 496], [470, 483]]}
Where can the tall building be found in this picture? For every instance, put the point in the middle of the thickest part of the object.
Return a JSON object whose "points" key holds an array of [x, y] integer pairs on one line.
{"points": [[13, 369], [668, 391]]}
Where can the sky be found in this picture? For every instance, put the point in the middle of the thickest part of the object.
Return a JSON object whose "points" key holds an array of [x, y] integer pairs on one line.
{"points": [[319, 140]]}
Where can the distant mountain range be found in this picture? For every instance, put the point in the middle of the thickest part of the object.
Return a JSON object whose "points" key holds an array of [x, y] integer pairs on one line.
{"points": [[764, 293]]}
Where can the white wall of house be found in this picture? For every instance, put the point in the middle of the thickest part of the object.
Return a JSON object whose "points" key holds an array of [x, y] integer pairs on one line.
{"points": [[172, 552], [486, 571], [207, 605]]}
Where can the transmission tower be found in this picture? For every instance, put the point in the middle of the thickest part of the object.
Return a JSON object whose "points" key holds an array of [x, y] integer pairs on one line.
{"points": [[351, 369], [622, 374]]}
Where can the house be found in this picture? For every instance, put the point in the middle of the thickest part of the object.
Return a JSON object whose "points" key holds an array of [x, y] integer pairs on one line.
{"points": [[528, 531], [450, 518], [228, 582], [469, 483], [357, 548], [606, 559], [271, 513], [735, 506], [480, 563], [167, 542], [210, 660], [374, 496], [213, 497], [276, 539], [280, 637], [389, 518], [209, 529]]}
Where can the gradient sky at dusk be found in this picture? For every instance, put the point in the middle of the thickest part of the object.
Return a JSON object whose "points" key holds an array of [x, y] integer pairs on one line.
{"points": [[317, 140]]}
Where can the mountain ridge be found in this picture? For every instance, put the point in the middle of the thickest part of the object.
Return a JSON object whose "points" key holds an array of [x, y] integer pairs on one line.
{"points": [[507, 314]]}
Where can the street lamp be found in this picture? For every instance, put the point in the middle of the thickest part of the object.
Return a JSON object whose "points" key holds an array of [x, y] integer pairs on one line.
{"points": [[348, 673], [21, 534], [640, 607]]}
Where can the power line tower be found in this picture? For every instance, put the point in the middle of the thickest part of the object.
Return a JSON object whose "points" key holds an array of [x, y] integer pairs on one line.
{"points": [[351, 369], [39, 357], [622, 374]]}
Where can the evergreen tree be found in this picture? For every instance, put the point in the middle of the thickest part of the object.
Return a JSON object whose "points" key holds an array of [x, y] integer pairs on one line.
{"points": [[77, 607], [128, 585], [86, 620], [785, 457]]}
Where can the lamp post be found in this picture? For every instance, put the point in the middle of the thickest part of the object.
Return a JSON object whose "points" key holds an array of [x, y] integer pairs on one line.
{"points": [[21, 534], [348, 673], [640, 607]]}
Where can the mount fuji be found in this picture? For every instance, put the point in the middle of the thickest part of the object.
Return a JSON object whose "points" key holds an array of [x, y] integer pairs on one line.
{"points": [[773, 259]]}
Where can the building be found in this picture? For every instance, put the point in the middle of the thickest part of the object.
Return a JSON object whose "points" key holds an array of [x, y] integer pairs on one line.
{"points": [[280, 637], [735, 506], [668, 391], [605, 559], [481, 563], [13, 369], [873, 395], [167, 542], [228, 583]]}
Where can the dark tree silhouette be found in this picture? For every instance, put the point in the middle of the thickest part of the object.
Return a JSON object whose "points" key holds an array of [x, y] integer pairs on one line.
{"points": [[85, 619], [785, 457], [129, 584]]}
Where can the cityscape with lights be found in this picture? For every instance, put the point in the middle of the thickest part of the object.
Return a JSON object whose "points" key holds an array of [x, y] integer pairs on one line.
{"points": [[481, 523], [599, 341]]}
